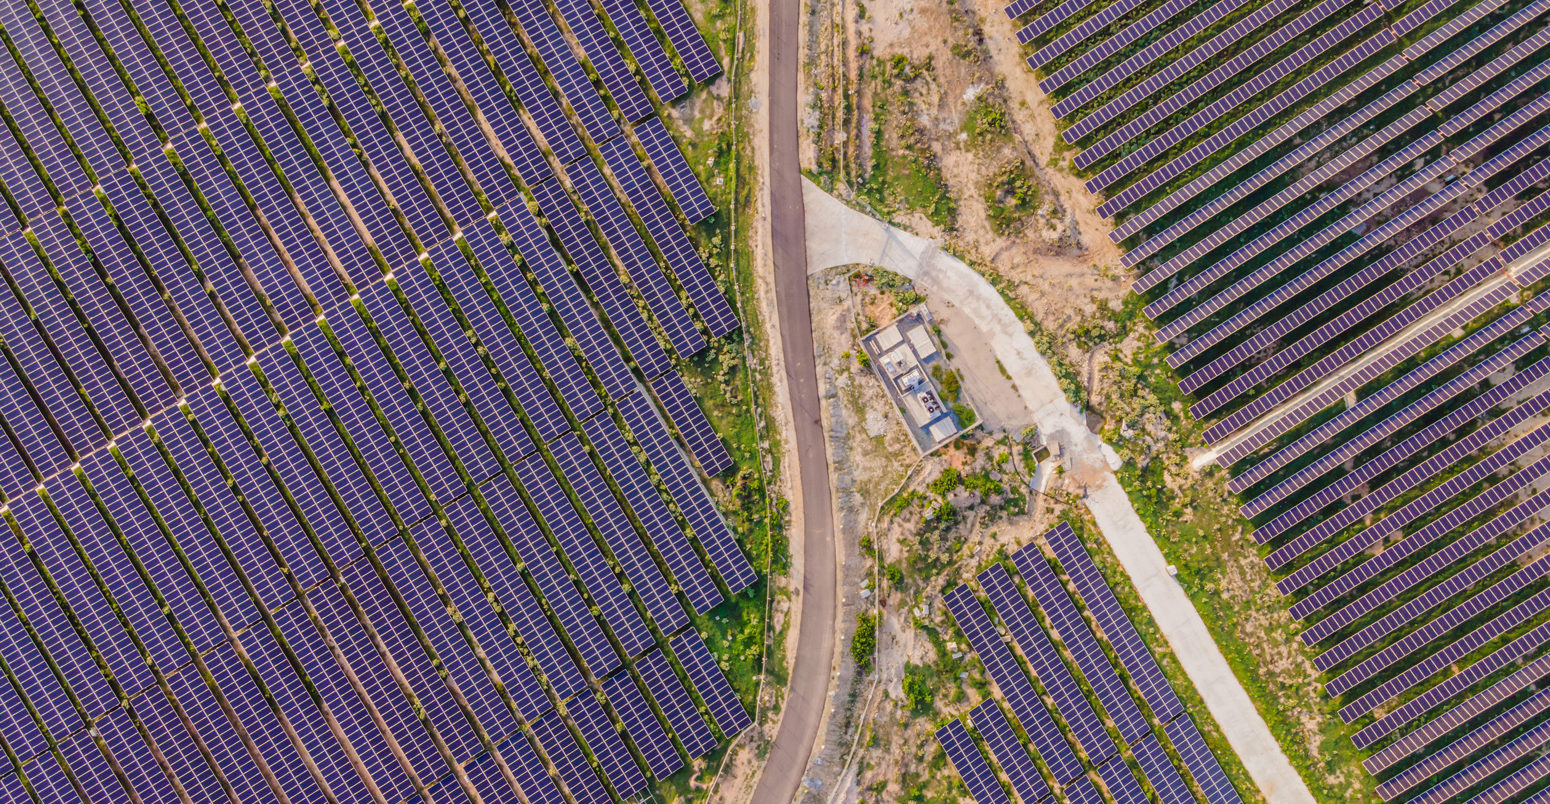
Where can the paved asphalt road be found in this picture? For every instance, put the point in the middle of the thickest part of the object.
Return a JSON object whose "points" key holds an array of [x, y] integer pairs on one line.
{"points": [[808, 692]]}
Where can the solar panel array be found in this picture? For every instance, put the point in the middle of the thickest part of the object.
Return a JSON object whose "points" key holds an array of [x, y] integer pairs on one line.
{"points": [[323, 461], [1058, 657], [1339, 232]]}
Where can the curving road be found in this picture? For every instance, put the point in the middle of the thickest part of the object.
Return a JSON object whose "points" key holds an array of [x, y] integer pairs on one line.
{"points": [[807, 693]]}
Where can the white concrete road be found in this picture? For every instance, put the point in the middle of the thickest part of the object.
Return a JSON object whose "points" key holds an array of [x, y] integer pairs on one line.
{"points": [[838, 235]]}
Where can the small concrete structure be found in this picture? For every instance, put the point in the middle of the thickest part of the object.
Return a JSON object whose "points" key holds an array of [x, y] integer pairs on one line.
{"points": [[903, 353]]}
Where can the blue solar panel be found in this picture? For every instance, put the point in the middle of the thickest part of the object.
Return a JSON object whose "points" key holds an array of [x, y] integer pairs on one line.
{"points": [[1199, 760], [455, 119], [668, 693], [1461, 749], [555, 585], [618, 534], [1160, 773], [686, 39], [408, 655], [662, 530], [691, 423], [1083, 646], [513, 62], [390, 395], [566, 70], [532, 777], [670, 239], [408, 349], [332, 453], [576, 544], [569, 303], [1019, 694], [711, 683], [692, 498], [389, 701], [541, 334], [600, 736], [1446, 722], [641, 725], [1008, 751], [971, 764], [1122, 784], [637, 260], [682, 184], [605, 58], [483, 625], [598, 273], [527, 618], [647, 50], [1099, 600], [1046, 663], [463, 360]]}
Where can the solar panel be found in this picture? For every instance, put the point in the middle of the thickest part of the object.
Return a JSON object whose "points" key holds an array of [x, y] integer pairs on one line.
{"points": [[1008, 751], [970, 763], [705, 672], [512, 60], [605, 58], [618, 534], [664, 154], [1020, 695], [1200, 761], [580, 780], [686, 39], [558, 591], [517, 602], [642, 726], [566, 71], [448, 416], [1114, 44], [532, 777], [1082, 791], [598, 273], [637, 260], [1462, 748], [553, 353], [463, 361], [460, 126], [576, 544], [1084, 647], [1373, 435], [485, 629], [686, 490], [668, 693], [568, 301], [1172, 71], [600, 736], [410, 735], [1443, 592], [1047, 665], [1161, 775], [670, 239], [432, 692], [1473, 409], [1099, 599], [1121, 783], [662, 530], [392, 397], [691, 423], [648, 52], [362, 741]]}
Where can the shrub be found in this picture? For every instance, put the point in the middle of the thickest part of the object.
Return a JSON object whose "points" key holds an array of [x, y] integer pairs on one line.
{"points": [[865, 641]]}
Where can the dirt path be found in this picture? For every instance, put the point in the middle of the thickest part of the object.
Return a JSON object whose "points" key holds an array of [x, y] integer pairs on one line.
{"points": [[807, 694], [839, 235]]}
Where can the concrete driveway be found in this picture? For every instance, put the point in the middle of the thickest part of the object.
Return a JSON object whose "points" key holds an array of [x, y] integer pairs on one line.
{"points": [[838, 235]]}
